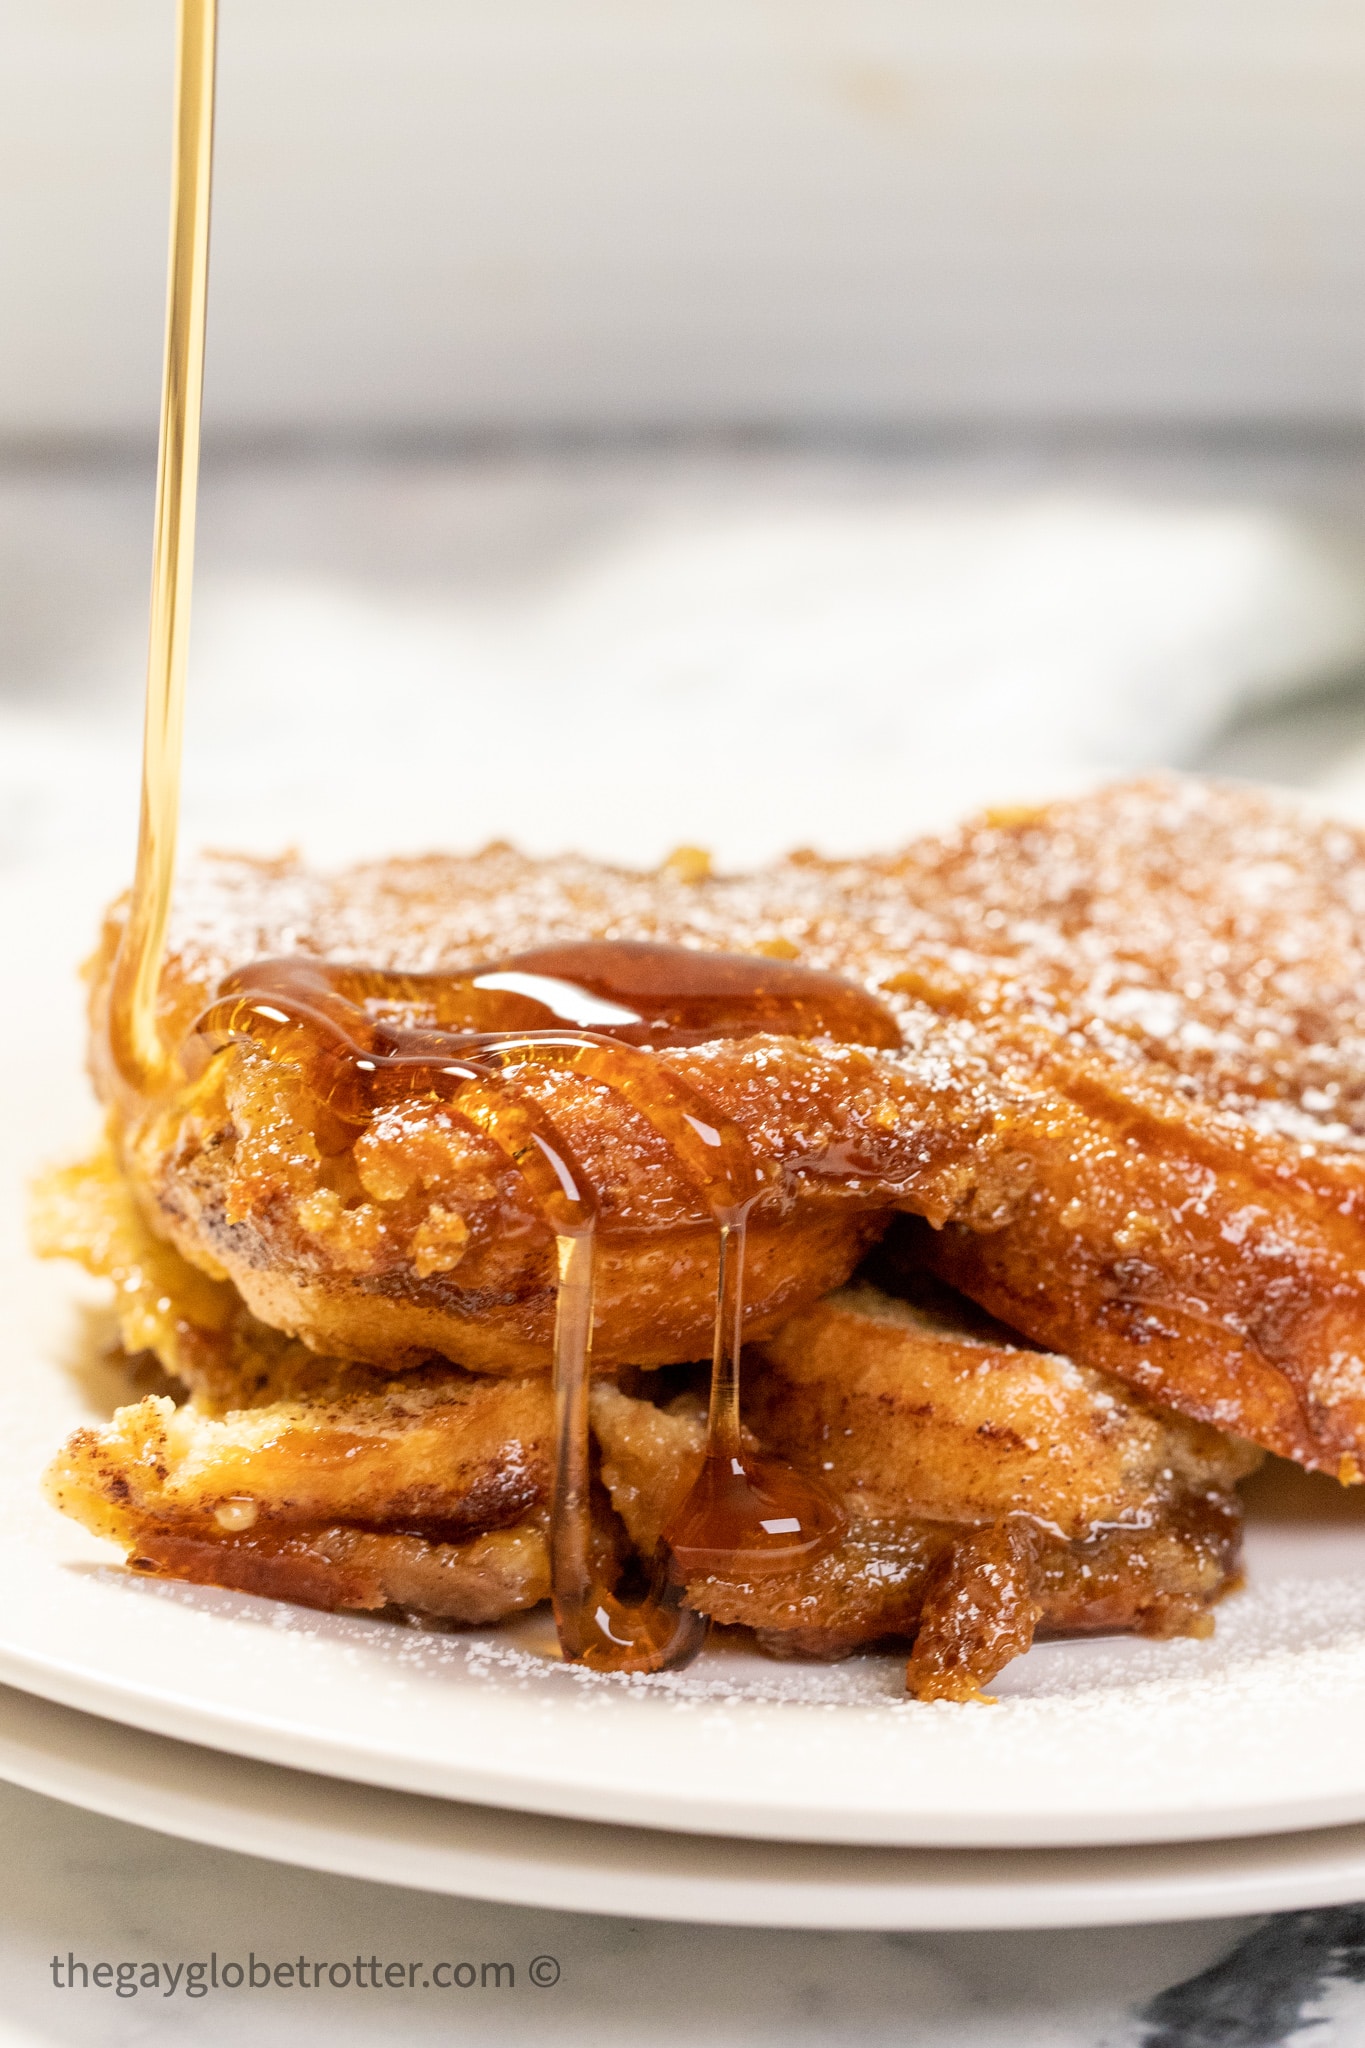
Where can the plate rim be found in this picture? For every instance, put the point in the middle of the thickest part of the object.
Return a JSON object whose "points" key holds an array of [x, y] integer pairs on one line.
{"points": [[270, 1742], [311, 1821]]}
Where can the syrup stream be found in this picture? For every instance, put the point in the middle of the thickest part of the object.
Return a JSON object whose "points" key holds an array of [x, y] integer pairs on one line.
{"points": [[135, 1041]]}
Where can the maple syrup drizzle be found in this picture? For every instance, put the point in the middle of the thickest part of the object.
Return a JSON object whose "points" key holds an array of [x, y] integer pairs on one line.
{"points": [[747, 1513], [139, 1056], [599, 1007]]}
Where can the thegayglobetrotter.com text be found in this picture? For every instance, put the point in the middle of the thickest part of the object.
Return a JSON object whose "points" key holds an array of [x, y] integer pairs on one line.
{"points": [[205, 1976]]}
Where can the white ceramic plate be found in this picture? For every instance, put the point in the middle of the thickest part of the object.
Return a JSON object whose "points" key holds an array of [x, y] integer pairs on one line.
{"points": [[521, 1859], [1115, 1742]]}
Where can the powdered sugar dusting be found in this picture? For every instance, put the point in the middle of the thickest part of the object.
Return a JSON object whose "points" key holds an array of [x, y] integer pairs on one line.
{"points": [[1212, 936]]}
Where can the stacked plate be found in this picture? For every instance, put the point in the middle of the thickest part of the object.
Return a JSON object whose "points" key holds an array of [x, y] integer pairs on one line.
{"points": [[1111, 1783], [1114, 1780]]}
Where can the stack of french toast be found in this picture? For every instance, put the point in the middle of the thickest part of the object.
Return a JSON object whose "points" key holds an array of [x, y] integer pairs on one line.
{"points": [[1096, 1245]]}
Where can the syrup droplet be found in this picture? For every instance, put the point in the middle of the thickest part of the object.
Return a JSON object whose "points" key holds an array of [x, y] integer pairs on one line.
{"points": [[748, 1517], [747, 1514]]}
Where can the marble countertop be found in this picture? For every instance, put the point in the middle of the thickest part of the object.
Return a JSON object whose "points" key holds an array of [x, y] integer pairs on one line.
{"points": [[76, 1885]]}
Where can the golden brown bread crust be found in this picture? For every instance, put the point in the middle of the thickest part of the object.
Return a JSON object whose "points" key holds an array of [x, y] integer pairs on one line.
{"points": [[1133, 1090], [988, 1489]]}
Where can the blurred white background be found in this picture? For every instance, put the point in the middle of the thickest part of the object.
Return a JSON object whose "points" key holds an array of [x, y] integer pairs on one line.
{"points": [[438, 214], [633, 421]]}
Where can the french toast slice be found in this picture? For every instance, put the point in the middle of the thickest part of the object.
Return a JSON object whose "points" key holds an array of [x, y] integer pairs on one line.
{"points": [[988, 1491], [986, 1488], [1130, 1103], [285, 1473], [418, 1234], [427, 1497]]}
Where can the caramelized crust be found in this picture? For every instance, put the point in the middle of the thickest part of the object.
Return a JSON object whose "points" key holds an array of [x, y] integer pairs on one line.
{"points": [[1132, 1092], [337, 1566], [981, 1609], [987, 1490], [427, 1496]]}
